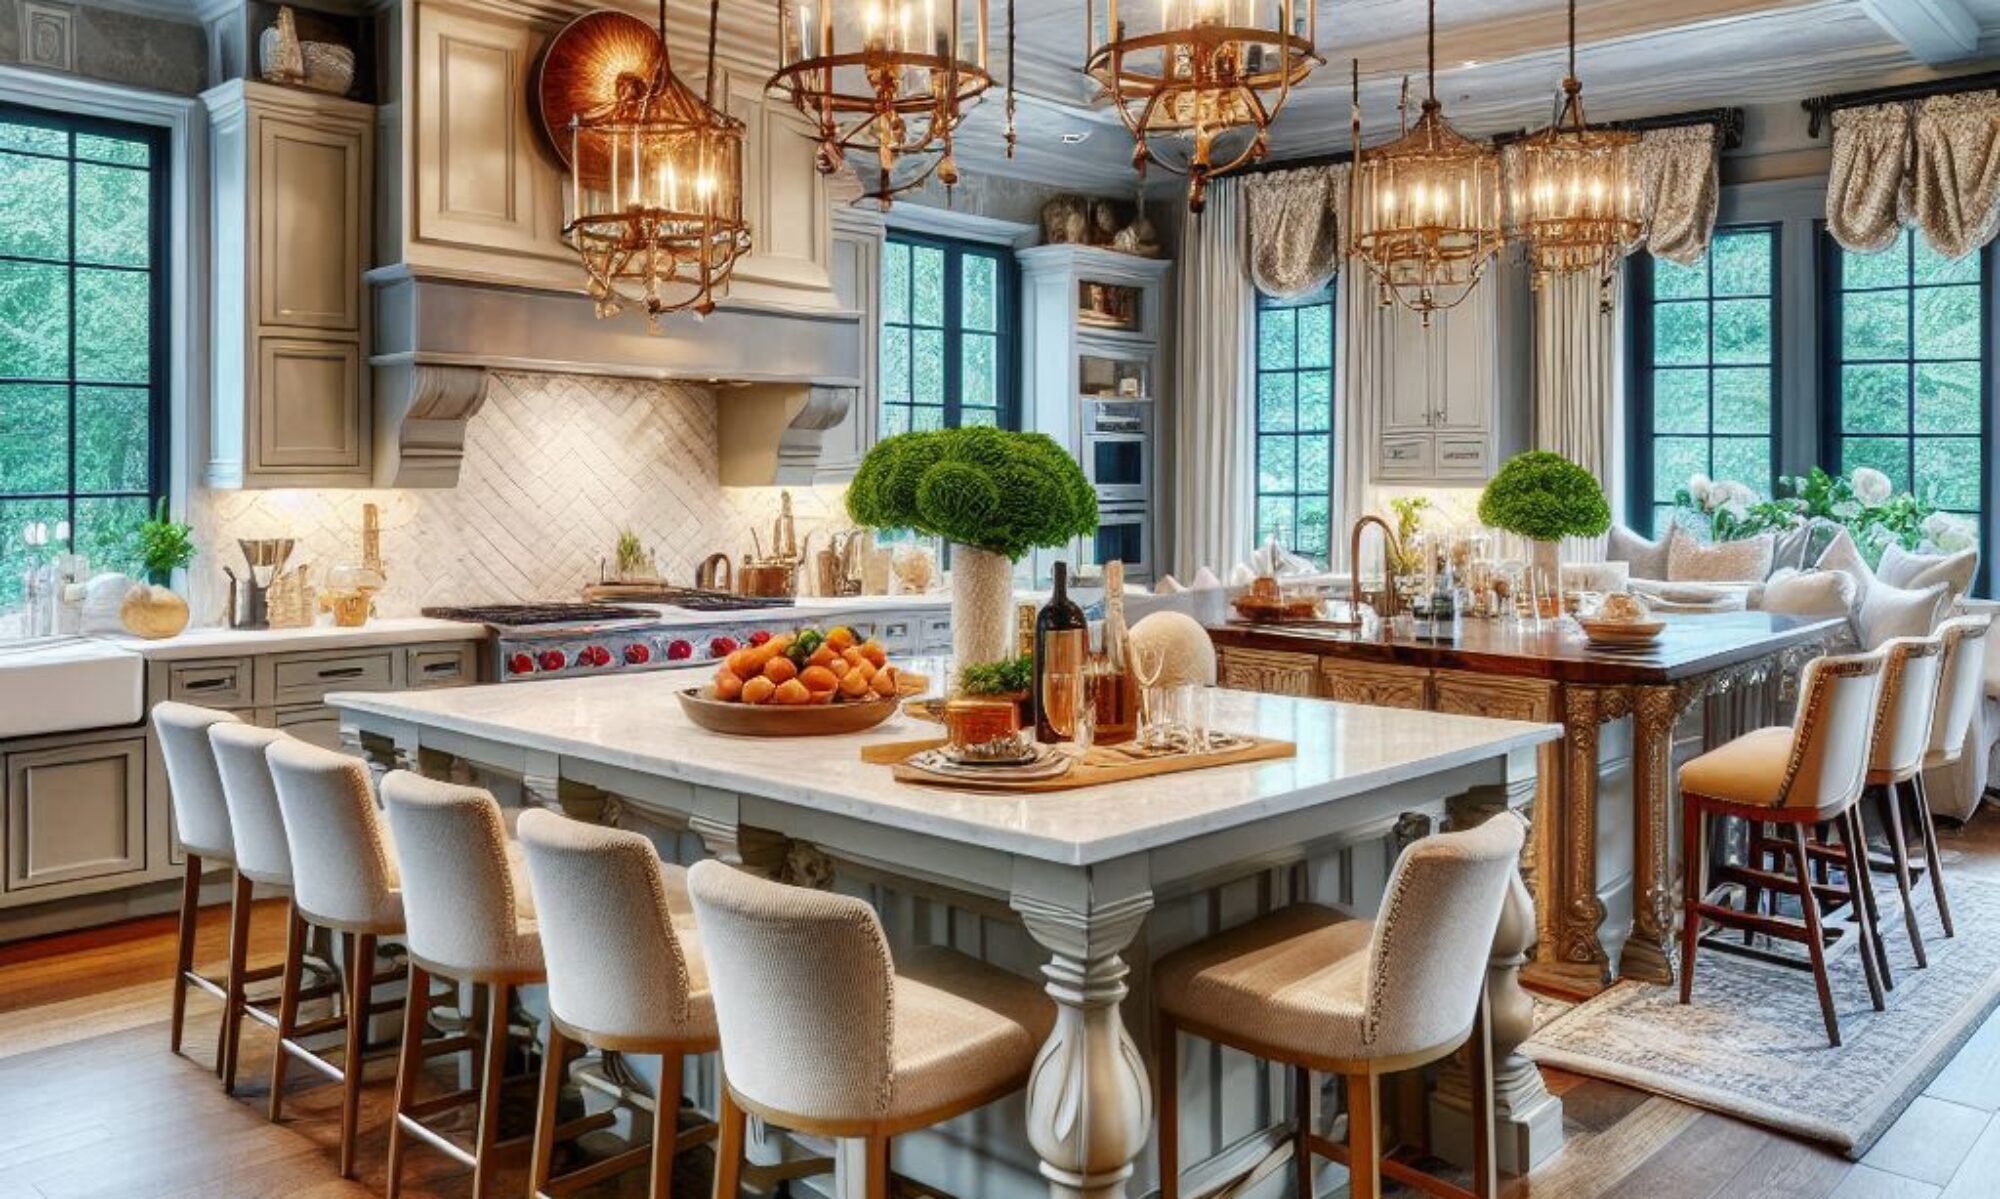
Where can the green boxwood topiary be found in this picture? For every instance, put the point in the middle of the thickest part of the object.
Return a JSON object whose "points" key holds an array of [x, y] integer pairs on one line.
{"points": [[999, 491], [1545, 497]]}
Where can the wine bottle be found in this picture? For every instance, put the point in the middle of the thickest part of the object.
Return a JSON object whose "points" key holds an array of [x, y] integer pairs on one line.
{"points": [[1114, 688], [1062, 645]]}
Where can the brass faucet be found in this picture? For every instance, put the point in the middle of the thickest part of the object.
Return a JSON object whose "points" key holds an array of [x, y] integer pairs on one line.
{"points": [[1392, 552]]}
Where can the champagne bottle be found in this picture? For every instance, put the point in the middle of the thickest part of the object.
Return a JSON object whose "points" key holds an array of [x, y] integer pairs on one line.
{"points": [[1062, 645], [1114, 688]]}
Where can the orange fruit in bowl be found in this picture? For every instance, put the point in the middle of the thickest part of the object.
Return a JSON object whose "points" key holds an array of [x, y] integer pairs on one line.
{"points": [[742, 663], [728, 688], [884, 683], [822, 697], [778, 670], [758, 690], [840, 637], [791, 693], [873, 651], [854, 685], [819, 678]]}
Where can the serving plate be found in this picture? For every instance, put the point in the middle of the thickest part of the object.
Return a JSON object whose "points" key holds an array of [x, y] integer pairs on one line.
{"points": [[1622, 633], [738, 719]]}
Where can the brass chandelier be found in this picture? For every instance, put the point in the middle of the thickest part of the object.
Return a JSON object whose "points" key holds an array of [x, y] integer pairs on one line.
{"points": [[1199, 83], [1574, 196], [1426, 207], [890, 77], [656, 183]]}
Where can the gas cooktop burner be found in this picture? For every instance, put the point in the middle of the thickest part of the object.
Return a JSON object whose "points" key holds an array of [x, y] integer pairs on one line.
{"points": [[522, 615], [696, 600]]}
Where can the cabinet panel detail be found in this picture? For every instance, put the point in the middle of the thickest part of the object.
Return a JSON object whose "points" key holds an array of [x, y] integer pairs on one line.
{"points": [[1268, 672], [74, 813], [308, 403], [1378, 686], [310, 223], [307, 680]]}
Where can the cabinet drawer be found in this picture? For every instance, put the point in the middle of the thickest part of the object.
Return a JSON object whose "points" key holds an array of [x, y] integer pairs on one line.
{"points": [[1464, 457], [441, 666], [898, 635], [1405, 458], [224, 683], [937, 635], [76, 813], [307, 680], [318, 725]]}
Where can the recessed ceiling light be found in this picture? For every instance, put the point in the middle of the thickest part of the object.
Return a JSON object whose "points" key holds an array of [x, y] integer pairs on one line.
{"points": [[1075, 137]]}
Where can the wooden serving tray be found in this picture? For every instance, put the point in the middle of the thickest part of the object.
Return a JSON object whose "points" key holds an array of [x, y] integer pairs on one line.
{"points": [[1102, 764]]}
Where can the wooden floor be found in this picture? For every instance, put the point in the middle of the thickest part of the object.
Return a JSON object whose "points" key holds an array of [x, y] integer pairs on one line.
{"points": [[93, 1105]]}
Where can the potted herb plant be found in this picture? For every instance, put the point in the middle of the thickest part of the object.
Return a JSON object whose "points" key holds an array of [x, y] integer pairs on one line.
{"points": [[994, 495], [162, 545], [1544, 497], [1009, 678]]}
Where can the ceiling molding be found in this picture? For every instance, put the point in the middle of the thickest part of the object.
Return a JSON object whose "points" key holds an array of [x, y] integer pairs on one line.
{"points": [[1933, 31], [180, 12]]}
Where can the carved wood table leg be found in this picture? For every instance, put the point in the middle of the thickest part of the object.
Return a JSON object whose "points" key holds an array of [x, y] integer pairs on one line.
{"points": [[1648, 952], [1569, 957], [1090, 1102]]}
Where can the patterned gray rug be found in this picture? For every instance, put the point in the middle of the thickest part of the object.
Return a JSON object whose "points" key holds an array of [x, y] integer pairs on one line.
{"points": [[1751, 1045]]}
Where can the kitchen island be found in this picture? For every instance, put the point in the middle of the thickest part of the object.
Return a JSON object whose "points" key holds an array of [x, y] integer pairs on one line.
{"points": [[1084, 888]]}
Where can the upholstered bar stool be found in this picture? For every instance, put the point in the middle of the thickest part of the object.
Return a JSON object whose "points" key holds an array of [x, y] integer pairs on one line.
{"points": [[823, 1033], [1907, 710], [625, 974], [201, 818], [1794, 779], [1318, 990], [1961, 689]]}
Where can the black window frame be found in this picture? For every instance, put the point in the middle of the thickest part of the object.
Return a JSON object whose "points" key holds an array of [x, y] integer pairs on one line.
{"points": [[1007, 334], [1329, 297], [159, 168]]}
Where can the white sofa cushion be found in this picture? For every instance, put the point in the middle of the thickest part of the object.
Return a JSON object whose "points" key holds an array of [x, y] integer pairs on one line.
{"points": [[1744, 561], [1811, 593], [1912, 571], [1647, 559]]}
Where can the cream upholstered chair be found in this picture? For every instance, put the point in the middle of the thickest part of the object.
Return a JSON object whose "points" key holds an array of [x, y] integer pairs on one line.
{"points": [[823, 1033], [201, 820], [1796, 778], [1961, 694], [1315, 989], [470, 919], [625, 973], [1908, 707], [343, 880]]}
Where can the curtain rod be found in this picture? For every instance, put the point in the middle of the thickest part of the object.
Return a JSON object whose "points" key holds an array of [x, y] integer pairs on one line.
{"points": [[1727, 121], [1823, 107]]}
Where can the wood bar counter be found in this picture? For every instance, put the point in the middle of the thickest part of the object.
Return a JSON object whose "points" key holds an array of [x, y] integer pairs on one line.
{"points": [[1628, 717]]}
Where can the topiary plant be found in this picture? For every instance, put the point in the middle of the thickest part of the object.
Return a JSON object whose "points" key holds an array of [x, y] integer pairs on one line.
{"points": [[1544, 496], [988, 488]]}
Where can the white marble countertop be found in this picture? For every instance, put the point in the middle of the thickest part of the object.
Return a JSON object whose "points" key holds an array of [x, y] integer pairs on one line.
{"points": [[634, 722], [222, 642]]}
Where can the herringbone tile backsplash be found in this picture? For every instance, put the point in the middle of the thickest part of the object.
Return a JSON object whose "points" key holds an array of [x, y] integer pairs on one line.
{"points": [[555, 466]]}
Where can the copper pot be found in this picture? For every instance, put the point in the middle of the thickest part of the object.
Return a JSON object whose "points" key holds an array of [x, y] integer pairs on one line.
{"points": [[766, 580]]}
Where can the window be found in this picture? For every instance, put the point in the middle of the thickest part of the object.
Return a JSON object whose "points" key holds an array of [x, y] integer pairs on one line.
{"points": [[947, 335], [1904, 332], [1295, 424], [82, 344], [1704, 369]]}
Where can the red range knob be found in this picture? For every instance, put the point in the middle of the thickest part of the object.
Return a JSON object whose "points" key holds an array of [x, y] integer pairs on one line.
{"points": [[637, 655], [722, 647], [760, 636], [680, 651], [552, 659], [594, 655], [521, 664]]}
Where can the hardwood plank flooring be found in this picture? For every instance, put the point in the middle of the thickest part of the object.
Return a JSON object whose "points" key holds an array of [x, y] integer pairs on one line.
{"points": [[92, 1106]]}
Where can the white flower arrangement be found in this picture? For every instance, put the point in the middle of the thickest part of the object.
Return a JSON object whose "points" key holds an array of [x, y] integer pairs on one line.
{"points": [[1950, 533], [1871, 486]]}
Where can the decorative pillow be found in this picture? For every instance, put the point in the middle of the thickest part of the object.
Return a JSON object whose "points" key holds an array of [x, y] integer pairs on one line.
{"points": [[1647, 559], [1745, 561], [1723, 601], [1901, 568], [1843, 555], [1788, 549], [1813, 593], [1605, 576], [1888, 612]]}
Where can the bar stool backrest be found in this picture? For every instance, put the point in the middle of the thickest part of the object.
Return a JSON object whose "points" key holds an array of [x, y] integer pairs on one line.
{"points": [[1434, 936], [1963, 684], [1908, 705], [803, 986], [262, 853], [342, 876], [1833, 734], [201, 817], [458, 894], [615, 963]]}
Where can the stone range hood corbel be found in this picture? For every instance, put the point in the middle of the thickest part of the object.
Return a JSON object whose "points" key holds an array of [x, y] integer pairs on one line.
{"points": [[436, 338]]}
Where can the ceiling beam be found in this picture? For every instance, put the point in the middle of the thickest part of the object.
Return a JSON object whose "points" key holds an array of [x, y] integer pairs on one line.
{"points": [[1933, 31]]}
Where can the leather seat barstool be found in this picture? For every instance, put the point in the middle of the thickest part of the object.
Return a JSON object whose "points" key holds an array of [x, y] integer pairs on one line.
{"points": [[823, 1033], [1318, 990], [1907, 710]]}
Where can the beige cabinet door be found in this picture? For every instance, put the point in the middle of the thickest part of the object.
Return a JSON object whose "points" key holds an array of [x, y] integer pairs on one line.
{"points": [[76, 813], [308, 405], [311, 224]]}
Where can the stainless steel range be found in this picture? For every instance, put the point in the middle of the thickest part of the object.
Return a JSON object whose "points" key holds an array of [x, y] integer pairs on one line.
{"points": [[566, 640]]}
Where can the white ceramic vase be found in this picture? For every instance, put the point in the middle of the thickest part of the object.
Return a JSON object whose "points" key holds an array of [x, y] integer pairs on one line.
{"points": [[1545, 560], [982, 606]]}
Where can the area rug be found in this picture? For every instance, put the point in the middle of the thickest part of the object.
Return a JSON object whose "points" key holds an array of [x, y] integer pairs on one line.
{"points": [[1752, 1045]]}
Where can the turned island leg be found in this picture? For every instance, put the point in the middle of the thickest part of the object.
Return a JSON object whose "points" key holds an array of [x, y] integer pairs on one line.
{"points": [[1648, 952]]}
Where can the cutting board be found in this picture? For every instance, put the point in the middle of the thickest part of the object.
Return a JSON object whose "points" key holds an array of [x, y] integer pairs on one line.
{"points": [[1101, 765]]}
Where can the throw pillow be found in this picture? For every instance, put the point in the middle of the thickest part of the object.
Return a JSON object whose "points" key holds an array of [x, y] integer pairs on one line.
{"points": [[1788, 550], [1745, 561], [1843, 555], [1912, 571], [1888, 612], [1815, 594], [1647, 559]]}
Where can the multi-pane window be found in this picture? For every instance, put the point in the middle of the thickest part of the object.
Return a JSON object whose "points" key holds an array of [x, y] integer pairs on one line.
{"points": [[1295, 424], [1906, 349], [82, 388], [1705, 369], [947, 335]]}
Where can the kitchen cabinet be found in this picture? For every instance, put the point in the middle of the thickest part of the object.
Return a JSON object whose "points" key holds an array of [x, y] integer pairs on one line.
{"points": [[75, 815], [292, 176], [1448, 409]]}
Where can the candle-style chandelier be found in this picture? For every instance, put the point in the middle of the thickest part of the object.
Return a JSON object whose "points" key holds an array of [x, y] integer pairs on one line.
{"points": [[1199, 82], [1426, 207], [894, 78], [656, 171], [1574, 192]]}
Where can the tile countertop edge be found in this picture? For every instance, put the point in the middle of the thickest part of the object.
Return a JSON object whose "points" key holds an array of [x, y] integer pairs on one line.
{"points": [[225, 642], [1525, 735]]}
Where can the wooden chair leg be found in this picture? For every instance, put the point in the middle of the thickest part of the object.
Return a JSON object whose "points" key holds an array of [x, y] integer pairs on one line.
{"points": [[235, 988], [492, 1069], [666, 1126], [1815, 943], [184, 949], [1757, 855], [878, 1168], [729, 1148], [1899, 858], [288, 1004], [360, 995], [1853, 863], [1928, 825], [1864, 879], [1167, 1091], [409, 1062], [1691, 892], [1364, 1136], [1479, 1055], [541, 1159], [1302, 1154]]}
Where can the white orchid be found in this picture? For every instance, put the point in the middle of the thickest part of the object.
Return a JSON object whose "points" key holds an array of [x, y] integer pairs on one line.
{"points": [[1699, 488], [1871, 486]]}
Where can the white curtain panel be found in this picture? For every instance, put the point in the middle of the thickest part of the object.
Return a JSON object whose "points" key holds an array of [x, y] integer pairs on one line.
{"points": [[1214, 379], [1954, 191], [1680, 188], [1361, 341], [1576, 386], [1295, 229], [1867, 188]]}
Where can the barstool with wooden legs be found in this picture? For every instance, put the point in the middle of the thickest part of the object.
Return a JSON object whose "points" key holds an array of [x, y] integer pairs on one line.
{"points": [[1906, 711], [1961, 690], [1796, 779], [201, 819], [343, 880], [1318, 990], [823, 1033], [625, 974]]}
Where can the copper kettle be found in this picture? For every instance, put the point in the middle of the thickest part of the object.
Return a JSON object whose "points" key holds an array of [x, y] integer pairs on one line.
{"points": [[715, 574]]}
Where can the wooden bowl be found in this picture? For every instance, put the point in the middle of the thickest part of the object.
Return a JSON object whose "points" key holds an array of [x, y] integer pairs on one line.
{"points": [[1622, 632], [778, 720]]}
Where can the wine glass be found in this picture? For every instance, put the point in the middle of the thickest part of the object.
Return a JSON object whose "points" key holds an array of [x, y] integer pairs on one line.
{"points": [[1062, 700]]}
